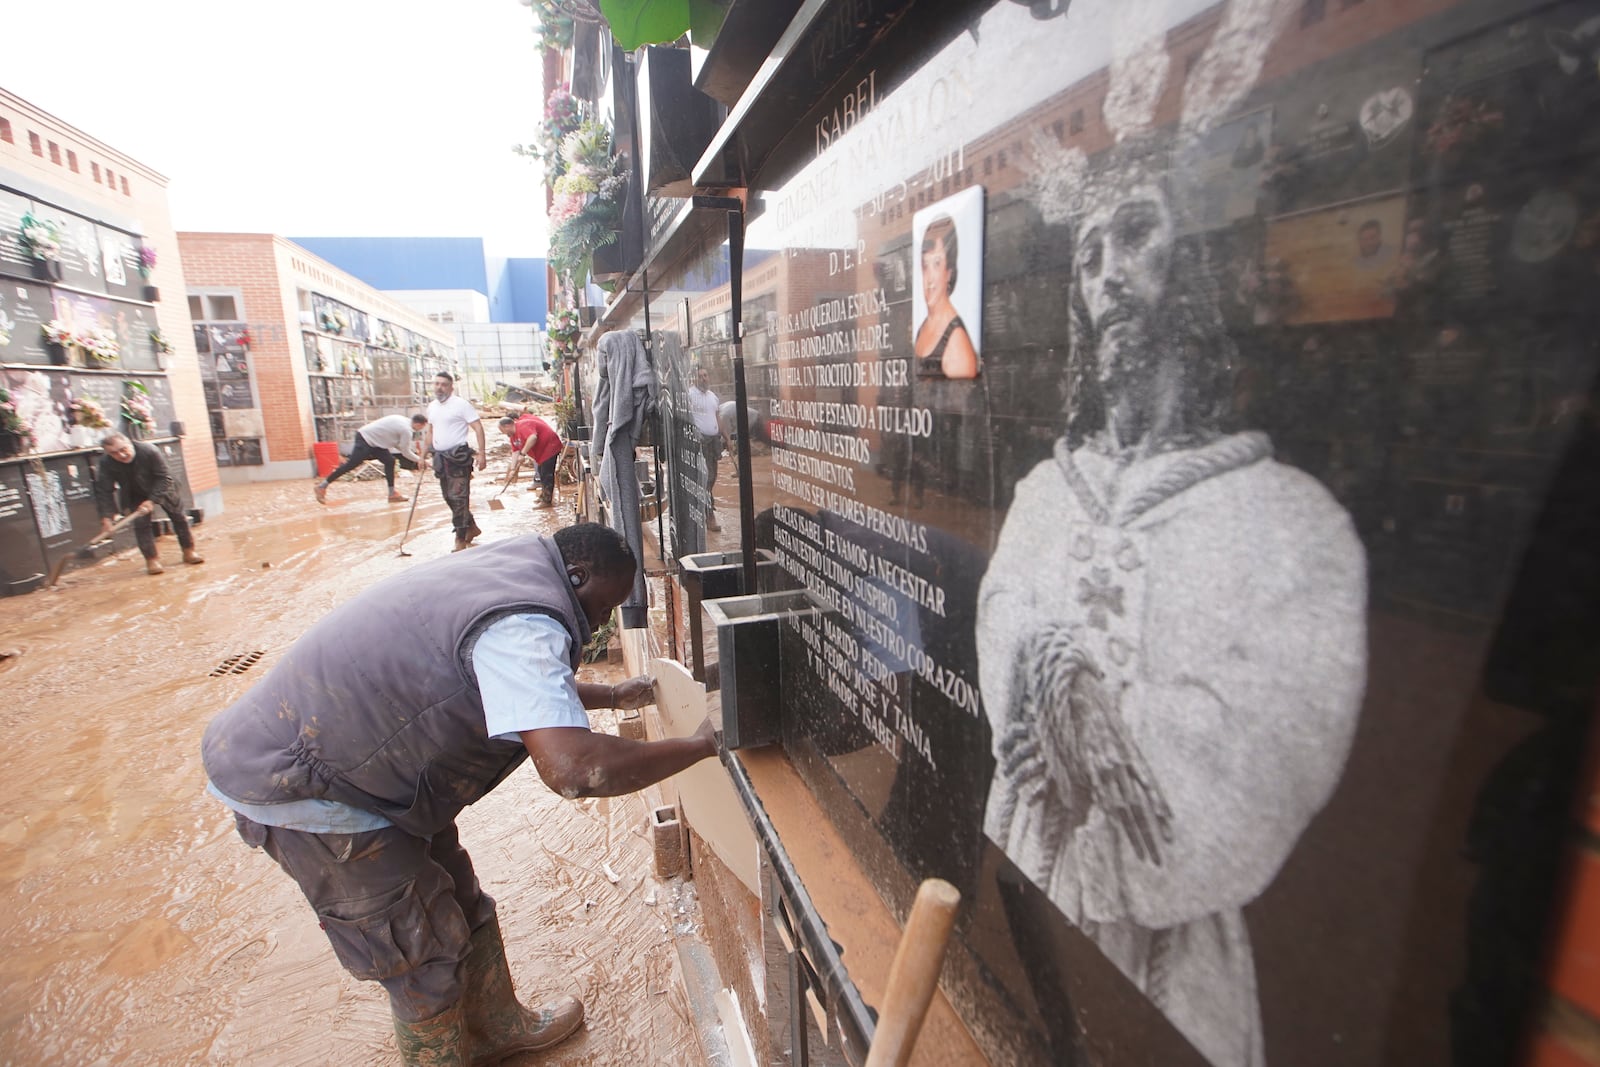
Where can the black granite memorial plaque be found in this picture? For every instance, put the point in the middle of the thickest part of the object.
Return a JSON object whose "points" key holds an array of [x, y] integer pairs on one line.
{"points": [[22, 562], [61, 491], [14, 258], [1162, 418], [24, 309], [81, 262]]}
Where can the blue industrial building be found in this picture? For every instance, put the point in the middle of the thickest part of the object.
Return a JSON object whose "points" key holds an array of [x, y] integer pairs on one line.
{"points": [[515, 288]]}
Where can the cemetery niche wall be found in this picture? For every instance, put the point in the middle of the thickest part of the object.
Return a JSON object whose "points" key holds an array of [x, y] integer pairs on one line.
{"points": [[81, 356], [1184, 426]]}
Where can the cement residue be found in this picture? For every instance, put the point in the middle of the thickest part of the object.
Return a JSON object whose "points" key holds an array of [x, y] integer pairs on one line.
{"points": [[140, 930]]}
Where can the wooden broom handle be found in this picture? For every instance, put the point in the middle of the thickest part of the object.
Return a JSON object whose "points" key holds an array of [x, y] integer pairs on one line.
{"points": [[914, 975]]}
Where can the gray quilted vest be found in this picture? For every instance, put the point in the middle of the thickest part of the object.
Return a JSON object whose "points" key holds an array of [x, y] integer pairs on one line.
{"points": [[376, 706]]}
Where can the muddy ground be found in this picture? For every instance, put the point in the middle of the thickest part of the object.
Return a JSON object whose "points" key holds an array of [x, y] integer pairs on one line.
{"points": [[136, 927]]}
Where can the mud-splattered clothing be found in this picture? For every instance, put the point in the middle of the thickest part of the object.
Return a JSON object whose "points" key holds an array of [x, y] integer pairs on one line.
{"points": [[397, 728], [121, 487]]}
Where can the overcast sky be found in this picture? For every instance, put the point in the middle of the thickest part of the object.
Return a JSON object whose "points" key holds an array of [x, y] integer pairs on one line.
{"points": [[307, 117]]}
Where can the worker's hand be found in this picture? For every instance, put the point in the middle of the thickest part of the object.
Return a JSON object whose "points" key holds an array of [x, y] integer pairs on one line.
{"points": [[483, 461], [146, 508], [708, 733], [634, 693]]}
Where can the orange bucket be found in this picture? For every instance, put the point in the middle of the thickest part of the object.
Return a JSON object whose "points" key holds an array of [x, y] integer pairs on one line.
{"points": [[328, 460]]}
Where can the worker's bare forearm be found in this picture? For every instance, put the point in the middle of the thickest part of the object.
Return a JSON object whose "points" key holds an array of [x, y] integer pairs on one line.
{"points": [[604, 765]]}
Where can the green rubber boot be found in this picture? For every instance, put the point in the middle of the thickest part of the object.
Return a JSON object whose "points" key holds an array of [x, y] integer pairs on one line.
{"points": [[497, 1024], [437, 1042]]}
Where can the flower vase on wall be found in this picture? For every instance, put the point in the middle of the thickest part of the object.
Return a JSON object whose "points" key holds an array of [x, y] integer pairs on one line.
{"points": [[59, 356], [152, 294], [48, 270]]}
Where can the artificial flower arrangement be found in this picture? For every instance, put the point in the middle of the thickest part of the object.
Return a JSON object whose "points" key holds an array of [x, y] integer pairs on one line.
{"points": [[162, 345], [565, 326], [333, 322], [12, 422], [41, 238], [243, 337], [147, 261], [387, 339], [101, 344], [6, 326], [87, 412], [57, 332], [136, 407], [587, 204]]}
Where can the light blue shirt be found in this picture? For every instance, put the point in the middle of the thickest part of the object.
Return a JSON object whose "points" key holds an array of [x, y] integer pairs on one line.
{"points": [[521, 663]]}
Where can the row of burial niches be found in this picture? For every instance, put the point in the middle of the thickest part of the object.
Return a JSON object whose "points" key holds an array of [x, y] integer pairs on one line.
{"points": [[1176, 427]]}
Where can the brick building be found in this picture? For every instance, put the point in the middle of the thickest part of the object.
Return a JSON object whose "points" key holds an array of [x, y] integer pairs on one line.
{"points": [[110, 218], [293, 351]]}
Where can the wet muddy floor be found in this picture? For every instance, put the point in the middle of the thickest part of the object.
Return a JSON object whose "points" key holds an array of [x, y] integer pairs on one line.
{"points": [[136, 927]]}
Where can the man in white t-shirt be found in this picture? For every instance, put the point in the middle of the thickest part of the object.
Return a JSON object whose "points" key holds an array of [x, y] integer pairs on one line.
{"points": [[703, 410], [449, 419]]}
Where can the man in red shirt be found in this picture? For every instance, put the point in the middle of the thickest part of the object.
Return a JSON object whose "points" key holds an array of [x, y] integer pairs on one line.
{"points": [[533, 438]]}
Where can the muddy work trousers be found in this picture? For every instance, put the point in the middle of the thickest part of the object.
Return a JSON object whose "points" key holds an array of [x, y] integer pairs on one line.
{"points": [[455, 482], [711, 447], [399, 910], [144, 527]]}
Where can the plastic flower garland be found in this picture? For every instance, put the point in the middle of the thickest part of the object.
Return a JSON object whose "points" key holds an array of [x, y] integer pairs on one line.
{"points": [[147, 260]]}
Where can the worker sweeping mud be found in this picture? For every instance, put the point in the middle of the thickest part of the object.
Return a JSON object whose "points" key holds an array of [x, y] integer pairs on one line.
{"points": [[350, 761], [533, 438], [132, 479]]}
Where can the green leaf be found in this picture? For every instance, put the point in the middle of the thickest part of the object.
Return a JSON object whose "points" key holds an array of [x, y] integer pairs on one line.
{"points": [[640, 22]]}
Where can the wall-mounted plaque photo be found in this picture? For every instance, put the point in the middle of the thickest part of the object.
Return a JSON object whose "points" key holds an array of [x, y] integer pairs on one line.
{"points": [[947, 300], [1340, 261], [1227, 163]]}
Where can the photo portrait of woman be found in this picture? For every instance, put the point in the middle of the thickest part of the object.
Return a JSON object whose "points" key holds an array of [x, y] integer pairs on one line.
{"points": [[943, 346]]}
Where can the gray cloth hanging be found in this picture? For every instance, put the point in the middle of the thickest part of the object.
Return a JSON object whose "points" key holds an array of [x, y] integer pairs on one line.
{"points": [[624, 400]]}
